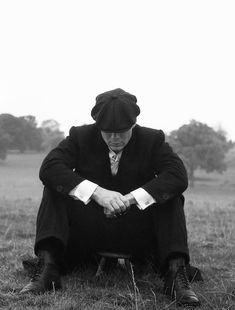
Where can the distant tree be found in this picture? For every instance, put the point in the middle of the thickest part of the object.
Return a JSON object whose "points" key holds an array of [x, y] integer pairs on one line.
{"points": [[230, 156], [31, 133], [4, 142], [12, 126], [51, 134], [200, 146], [22, 132]]}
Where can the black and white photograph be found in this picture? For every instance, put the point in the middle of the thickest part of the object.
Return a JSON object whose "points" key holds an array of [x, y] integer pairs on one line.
{"points": [[117, 155]]}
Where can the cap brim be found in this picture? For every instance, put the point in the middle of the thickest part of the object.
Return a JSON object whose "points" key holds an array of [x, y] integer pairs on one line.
{"points": [[115, 130]]}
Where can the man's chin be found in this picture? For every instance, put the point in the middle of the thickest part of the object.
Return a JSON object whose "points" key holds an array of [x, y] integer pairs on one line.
{"points": [[116, 148]]}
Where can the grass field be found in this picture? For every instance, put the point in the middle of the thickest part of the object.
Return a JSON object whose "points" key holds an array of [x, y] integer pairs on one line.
{"points": [[210, 212]]}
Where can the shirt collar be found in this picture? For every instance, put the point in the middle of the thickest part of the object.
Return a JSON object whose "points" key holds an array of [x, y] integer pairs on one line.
{"points": [[114, 156]]}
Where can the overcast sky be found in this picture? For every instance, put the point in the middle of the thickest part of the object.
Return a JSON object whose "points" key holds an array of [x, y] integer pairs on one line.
{"points": [[177, 57]]}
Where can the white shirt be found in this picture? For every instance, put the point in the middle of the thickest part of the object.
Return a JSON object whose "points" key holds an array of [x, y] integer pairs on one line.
{"points": [[85, 189]]}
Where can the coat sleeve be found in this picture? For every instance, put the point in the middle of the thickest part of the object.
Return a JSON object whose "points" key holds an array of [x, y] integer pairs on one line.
{"points": [[170, 174], [57, 169]]}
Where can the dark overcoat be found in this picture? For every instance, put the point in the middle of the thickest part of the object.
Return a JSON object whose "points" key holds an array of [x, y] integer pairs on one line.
{"points": [[147, 161]]}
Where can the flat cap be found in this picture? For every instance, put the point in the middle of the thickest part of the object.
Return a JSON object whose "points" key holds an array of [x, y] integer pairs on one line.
{"points": [[115, 110]]}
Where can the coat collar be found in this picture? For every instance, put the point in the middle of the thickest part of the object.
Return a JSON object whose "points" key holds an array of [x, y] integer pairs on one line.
{"points": [[129, 153]]}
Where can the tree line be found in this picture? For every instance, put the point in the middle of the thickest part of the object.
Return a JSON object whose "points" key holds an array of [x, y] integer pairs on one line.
{"points": [[23, 134], [199, 145]]}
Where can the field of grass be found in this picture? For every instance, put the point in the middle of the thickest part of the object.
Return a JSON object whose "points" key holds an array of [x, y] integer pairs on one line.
{"points": [[210, 212]]}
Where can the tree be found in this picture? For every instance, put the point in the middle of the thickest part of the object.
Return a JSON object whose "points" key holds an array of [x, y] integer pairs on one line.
{"points": [[51, 134], [4, 142], [22, 132], [200, 146], [11, 125], [31, 133]]}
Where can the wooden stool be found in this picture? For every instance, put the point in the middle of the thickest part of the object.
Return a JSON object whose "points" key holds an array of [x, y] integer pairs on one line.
{"points": [[123, 259]]}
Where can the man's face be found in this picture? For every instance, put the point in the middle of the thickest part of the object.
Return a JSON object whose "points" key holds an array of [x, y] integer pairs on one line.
{"points": [[116, 141]]}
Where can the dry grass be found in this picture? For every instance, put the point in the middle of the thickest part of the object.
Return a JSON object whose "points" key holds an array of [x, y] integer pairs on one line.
{"points": [[210, 211]]}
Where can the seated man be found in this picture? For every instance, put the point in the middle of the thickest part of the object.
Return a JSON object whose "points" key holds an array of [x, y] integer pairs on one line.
{"points": [[113, 186]]}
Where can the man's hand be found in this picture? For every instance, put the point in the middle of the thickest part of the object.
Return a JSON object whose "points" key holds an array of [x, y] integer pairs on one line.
{"points": [[131, 199], [112, 201]]}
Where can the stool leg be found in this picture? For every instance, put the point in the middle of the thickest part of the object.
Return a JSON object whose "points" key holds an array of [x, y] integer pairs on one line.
{"points": [[131, 275], [128, 267], [100, 268]]}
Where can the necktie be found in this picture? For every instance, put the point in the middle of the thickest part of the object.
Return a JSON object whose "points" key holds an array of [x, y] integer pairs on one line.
{"points": [[114, 162]]}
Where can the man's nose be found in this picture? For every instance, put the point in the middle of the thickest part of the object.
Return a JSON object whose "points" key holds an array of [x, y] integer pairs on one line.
{"points": [[114, 135]]}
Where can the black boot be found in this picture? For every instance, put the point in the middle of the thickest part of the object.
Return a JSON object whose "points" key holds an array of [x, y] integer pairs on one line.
{"points": [[177, 284], [47, 278]]}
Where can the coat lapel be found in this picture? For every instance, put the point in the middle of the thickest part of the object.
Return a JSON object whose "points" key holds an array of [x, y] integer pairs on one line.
{"points": [[129, 155]]}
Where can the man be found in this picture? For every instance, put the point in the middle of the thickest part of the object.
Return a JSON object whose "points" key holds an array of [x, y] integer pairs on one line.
{"points": [[113, 186]]}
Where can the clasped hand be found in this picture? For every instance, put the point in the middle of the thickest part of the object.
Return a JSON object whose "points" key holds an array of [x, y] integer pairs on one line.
{"points": [[113, 202]]}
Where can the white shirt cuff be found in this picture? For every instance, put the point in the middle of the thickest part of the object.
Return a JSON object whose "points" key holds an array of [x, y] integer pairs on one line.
{"points": [[83, 191], [143, 198]]}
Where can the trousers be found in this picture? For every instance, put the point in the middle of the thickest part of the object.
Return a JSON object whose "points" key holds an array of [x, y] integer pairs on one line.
{"points": [[83, 229]]}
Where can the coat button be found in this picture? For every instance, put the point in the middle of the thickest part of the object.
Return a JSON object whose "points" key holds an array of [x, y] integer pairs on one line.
{"points": [[165, 196], [59, 188]]}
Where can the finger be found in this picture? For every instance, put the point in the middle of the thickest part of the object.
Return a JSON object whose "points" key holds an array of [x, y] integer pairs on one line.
{"points": [[122, 205], [116, 206], [109, 207], [125, 202], [108, 213]]}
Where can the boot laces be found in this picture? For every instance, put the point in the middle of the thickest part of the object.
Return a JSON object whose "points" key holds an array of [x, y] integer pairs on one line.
{"points": [[37, 272], [35, 276], [182, 279]]}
